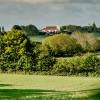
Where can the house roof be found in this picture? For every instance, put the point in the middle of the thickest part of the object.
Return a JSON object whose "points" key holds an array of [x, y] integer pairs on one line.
{"points": [[51, 28]]}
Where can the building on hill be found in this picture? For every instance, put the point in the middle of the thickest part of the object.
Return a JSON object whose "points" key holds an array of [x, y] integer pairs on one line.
{"points": [[50, 30]]}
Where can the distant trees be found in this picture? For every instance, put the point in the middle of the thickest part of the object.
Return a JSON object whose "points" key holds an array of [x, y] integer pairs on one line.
{"points": [[73, 28], [16, 27], [29, 29], [70, 28], [2, 30], [32, 30], [14, 45]]}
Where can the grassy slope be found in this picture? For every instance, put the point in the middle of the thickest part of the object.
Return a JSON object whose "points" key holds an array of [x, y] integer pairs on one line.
{"points": [[28, 87]]}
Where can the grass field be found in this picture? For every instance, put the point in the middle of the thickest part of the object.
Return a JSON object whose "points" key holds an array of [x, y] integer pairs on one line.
{"points": [[38, 38], [35, 87]]}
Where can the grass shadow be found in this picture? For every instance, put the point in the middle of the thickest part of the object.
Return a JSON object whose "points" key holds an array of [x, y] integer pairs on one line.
{"points": [[37, 94], [18, 94], [3, 85]]}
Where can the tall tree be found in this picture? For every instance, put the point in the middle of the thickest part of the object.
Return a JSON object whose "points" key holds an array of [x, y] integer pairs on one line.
{"points": [[3, 29]]}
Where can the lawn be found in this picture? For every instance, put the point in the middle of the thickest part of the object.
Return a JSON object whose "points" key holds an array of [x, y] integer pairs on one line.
{"points": [[38, 87]]}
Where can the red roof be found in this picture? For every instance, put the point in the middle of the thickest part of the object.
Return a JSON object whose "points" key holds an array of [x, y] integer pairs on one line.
{"points": [[52, 28]]}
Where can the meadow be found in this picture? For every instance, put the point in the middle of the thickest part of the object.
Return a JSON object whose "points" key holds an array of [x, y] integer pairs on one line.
{"points": [[37, 38], [41, 87]]}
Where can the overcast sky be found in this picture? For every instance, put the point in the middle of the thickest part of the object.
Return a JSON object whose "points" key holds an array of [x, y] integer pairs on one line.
{"points": [[49, 12]]}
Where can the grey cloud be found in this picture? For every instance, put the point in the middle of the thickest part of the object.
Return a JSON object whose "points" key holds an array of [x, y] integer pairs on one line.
{"points": [[53, 1], [43, 12]]}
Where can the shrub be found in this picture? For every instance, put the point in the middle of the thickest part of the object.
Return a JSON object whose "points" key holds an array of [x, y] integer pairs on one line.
{"points": [[68, 66], [60, 45], [77, 65], [45, 62], [60, 66], [24, 64], [90, 63], [87, 40]]}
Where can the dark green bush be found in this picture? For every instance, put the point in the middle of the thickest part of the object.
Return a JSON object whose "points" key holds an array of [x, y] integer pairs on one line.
{"points": [[45, 62]]}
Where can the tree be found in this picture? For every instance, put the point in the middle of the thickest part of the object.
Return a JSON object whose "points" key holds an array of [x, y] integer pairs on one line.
{"points": [[16, 27], [31, 30], [94, 27], [3, 29], [0, 29], [15, 44]]}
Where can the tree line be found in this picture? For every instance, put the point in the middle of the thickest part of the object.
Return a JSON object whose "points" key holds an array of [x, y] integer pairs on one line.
{"points": [[72, 28], [32, 30], [19, 54]]}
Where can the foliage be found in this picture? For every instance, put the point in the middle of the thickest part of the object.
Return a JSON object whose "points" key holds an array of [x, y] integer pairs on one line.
{"points": [[16, 27], [29, 29], [87, 41], [45, 62], [73, 28], [77, 65], [19, 53], [90, 63], [60, 45], [24, 64], [15, 44]]}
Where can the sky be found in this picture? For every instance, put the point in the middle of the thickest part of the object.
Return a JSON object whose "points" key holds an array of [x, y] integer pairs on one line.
{"points": [[49, 12]]}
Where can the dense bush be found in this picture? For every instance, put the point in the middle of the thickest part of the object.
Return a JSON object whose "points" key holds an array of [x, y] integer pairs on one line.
{"points": [[67, 66], [77, 65], [90, 63], [15, 45], [61, 45], [45, 62]]}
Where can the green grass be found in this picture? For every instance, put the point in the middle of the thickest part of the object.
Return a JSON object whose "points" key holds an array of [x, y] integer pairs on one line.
{"points": [[38, 38], [36, 87]]}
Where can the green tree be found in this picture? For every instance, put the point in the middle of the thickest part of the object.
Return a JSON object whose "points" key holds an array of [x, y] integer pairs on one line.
{"points": [[16, 27], [30, 30], [14, 45]]}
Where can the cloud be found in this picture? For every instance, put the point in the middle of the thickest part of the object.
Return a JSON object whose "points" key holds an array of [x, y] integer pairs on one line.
{"points": [[54, 1], [49, 11], [27, 1]]}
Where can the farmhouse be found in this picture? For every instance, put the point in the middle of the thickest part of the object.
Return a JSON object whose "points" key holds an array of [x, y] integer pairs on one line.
{"points": [[49, 30]]}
